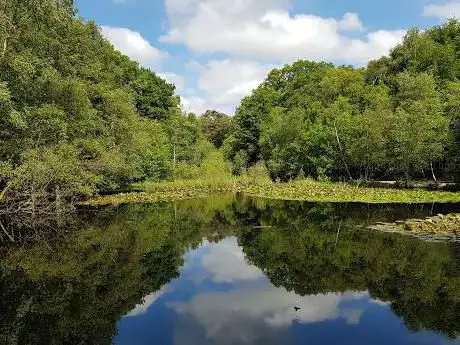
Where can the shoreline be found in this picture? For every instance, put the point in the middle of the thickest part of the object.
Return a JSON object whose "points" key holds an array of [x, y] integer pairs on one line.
{"points": [[303, 190], [436, 228]]}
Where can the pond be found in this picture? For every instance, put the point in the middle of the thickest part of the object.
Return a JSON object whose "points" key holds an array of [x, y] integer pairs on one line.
{"points": [[229, 269]]}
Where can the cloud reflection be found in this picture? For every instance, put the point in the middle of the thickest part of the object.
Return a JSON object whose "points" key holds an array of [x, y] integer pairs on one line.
{"points": [[238, 313], [147, 302], [225, 263]]}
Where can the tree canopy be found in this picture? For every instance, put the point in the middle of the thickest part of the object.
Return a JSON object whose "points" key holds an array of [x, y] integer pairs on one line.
{"points": [[395, 119], [216, 126], [76, 116]]}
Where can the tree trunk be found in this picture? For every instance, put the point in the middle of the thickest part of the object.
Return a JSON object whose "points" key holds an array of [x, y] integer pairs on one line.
{"points": [[406, 174], [342, 153], [58, 200], [3, 193], [338, 233], [432, 173], [174, 157], [5, 45]]}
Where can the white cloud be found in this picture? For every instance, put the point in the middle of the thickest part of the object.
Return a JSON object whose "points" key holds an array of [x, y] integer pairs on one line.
{"points": [[195, 104], [224, 82], [447, 10], [379, 41], [133, 45], [248, 310], [351, 22], [265, 30], [227, 81], [181, 12], [226, 264], [194, 65], [173, 78]]}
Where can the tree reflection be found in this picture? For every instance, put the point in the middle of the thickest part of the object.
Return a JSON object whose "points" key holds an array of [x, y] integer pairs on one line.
{"points": [[309, 255], [74, 286]]}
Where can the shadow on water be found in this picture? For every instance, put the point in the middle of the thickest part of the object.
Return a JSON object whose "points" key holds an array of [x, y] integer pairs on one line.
{"points": [[75, 284]]}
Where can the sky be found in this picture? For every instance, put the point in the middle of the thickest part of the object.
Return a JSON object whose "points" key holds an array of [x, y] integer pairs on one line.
{"points": [[217, 51]]}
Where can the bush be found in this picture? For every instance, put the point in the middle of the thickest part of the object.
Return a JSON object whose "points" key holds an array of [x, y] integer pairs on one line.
{"points": [[49, 173]]}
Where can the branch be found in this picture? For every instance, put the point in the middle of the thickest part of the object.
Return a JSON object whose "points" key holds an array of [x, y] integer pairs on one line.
{"points": [[432, 172], [2, 194], [342, 153], [6, 233]]}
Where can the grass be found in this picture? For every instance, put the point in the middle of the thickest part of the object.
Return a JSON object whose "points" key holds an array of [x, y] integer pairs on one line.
{"points": [[214, 176], [307, 190], [162, 191]]}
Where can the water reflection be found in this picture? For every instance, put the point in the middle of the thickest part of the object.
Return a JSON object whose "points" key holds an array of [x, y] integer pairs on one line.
{"points": [[258, 312], [228, 270]]}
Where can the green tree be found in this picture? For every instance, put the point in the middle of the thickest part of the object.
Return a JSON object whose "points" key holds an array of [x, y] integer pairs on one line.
{"points": [[243, 145], [64, 87], [216, 126], [418, 132], [154, 96]]}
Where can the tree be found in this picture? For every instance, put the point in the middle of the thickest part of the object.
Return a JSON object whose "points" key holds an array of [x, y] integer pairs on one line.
{"points": [[451, 105], [154, 96], [68, 97], [216, 126], [418, 132], [396, 118], [285, 148], [244, 143]]}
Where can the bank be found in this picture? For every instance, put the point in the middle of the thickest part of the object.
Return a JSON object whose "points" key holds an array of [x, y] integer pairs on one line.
{"points": [[302, 190]]}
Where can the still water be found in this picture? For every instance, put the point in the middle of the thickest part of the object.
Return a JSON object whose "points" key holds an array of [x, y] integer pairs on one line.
{"points": [[229, 270]]}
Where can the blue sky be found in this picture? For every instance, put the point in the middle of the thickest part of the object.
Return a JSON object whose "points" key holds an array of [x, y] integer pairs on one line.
{"points": [[217, 51]]}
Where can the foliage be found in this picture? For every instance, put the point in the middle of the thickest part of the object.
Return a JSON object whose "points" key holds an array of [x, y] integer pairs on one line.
{"points": [[78, 118], [154, 96], [390, 120], [75, 114], [216, 127], [212, 166]]}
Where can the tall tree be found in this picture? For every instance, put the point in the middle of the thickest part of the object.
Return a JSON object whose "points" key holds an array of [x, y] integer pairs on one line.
{"points": [[418, 134], [76, 115], [216, 126]]}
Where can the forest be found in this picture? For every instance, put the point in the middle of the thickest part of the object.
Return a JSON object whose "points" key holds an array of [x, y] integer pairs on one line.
{"points": [[395, 119], [78, 118]]}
